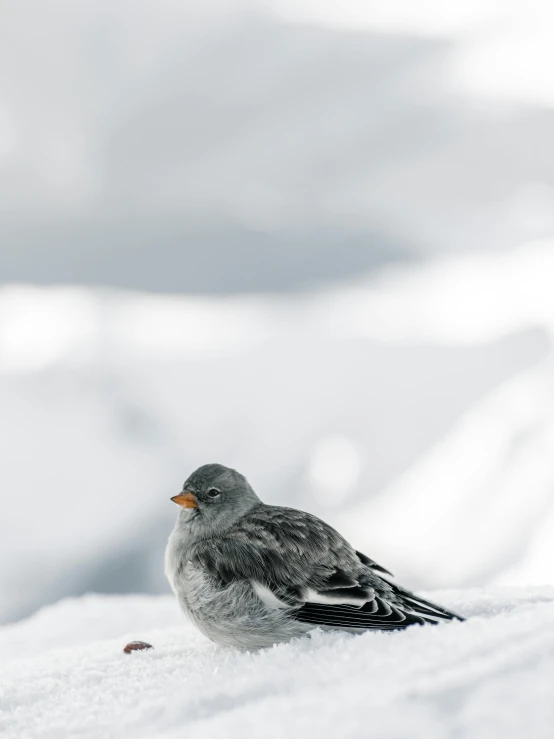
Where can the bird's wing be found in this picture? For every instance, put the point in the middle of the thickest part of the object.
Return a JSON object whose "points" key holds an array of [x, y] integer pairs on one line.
{"points": [[372, 564], [288, 551], [384, 612], [294, 560]]}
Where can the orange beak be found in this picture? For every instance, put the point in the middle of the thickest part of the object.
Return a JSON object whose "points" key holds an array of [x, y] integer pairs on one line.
{"points": [[185, 500]]}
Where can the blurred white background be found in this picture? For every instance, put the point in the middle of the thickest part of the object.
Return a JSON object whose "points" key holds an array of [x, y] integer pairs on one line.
{"points": [[311, 240]]}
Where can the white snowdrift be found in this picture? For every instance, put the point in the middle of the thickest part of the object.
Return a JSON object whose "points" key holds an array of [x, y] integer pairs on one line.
{"points": [[64, 674]]}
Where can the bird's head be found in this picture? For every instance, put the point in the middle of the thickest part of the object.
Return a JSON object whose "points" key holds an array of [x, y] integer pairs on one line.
{"points": [[216, 495]]}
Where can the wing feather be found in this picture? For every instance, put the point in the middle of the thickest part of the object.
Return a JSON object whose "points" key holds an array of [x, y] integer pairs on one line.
{"points": [[296, 561]]}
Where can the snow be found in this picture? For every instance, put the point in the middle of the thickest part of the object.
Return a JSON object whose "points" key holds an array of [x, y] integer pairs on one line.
{"points": [[64, 674], [413, 409]]}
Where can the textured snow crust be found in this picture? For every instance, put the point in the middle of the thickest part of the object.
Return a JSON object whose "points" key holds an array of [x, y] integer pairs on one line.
{"points": [[64, 674]]}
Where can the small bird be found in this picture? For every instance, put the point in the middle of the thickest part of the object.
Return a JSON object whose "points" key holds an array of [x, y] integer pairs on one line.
{"points": [[252, 575]]}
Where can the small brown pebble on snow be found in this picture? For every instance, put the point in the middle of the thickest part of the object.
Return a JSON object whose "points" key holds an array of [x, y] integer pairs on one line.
{"points": [[133, 646]]}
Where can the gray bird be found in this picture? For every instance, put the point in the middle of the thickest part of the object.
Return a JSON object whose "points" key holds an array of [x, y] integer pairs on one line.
{"points": [[251, 575]]}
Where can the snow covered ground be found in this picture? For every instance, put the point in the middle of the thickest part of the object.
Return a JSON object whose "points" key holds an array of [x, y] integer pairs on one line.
{"points": [[64, 675], [412, 408]]}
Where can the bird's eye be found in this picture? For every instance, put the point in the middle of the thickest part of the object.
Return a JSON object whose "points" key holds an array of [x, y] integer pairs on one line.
{"points": [[213, 493]]}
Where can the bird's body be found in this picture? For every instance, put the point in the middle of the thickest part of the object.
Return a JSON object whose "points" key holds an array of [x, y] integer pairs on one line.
{"points": [[252, 575], [229, 614]]}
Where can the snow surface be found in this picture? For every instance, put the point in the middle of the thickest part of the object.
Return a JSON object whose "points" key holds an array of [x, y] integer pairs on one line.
{"points": [[64, 674]]}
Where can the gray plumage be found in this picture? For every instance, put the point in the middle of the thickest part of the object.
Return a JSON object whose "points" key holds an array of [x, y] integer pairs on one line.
{"points": [[252, 575]]}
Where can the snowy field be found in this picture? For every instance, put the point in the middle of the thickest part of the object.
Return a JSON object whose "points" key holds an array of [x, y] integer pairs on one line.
{"points": [[331, 269], [413, 410], [64, 675]]}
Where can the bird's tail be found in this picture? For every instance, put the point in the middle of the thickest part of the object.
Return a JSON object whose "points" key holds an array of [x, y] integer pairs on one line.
{"points": [[424, 608]]}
